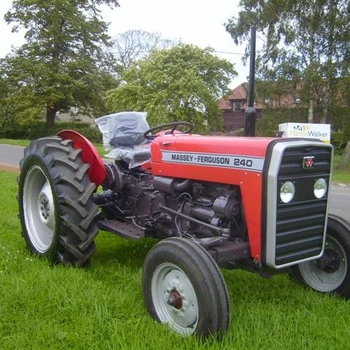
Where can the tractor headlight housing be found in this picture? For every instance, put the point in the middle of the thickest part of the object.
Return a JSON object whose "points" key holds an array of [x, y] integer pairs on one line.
{"points": [[320, 188], [287, 192]]}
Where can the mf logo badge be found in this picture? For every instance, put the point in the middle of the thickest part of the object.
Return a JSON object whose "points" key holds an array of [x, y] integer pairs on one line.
{"points": [[308, 162]]}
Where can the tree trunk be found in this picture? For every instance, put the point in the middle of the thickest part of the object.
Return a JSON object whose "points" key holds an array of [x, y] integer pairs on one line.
{"points": [[324, 116], [51, 110], [329, 67], [310, 115], [345, 157]]}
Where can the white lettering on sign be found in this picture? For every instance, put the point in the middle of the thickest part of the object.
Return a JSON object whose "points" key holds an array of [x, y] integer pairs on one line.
{"points": [[213, 159]]}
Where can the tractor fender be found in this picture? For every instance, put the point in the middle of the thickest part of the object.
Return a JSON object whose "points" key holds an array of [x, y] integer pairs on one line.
{"points": [[97, 172]]}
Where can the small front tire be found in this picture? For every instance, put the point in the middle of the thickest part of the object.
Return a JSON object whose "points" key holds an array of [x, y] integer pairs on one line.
{"points": [[184, 288]]}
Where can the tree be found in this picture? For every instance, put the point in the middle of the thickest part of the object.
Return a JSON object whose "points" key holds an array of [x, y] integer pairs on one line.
{"points": [[134, 45], [303, 41], [341, 123], [181, 83], [61, 63]]}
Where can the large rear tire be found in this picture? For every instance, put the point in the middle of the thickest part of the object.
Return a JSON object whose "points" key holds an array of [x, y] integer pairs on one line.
{"points": [[55, 202], [331, 273], [184, 288]]}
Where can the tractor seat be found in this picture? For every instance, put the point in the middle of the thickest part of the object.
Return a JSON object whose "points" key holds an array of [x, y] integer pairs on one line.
{"points": [[123, 132], [127, 140], [132, 148]]}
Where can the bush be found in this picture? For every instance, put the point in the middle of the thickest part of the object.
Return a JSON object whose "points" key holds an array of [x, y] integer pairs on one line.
{"points": [[339, 141], [268, 124]]}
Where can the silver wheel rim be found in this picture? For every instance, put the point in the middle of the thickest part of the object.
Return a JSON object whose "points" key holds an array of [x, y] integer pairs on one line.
{"points": [[320, 279], [39, 209], [175, 299]]}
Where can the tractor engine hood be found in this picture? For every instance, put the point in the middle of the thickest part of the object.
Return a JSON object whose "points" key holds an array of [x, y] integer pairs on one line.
{"points": [[198, 153]]}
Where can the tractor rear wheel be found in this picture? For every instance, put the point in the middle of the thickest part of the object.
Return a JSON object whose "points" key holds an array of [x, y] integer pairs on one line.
{"points": [[331, 273], [55, 202], [184, 288]]}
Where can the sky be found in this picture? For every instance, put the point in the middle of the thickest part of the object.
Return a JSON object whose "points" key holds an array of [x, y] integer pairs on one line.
{"points": [[197, 22]]}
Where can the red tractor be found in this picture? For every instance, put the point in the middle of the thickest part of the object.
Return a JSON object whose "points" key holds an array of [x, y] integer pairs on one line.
{"points": [[259, 204]]}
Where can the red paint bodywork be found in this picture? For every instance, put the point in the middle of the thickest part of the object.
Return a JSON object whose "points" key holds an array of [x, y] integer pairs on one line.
{"points": [[250, 182], [97, 171]]}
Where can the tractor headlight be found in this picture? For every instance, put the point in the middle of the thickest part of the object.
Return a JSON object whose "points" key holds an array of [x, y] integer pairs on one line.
{"points": [[320, 188], [287, 192]]}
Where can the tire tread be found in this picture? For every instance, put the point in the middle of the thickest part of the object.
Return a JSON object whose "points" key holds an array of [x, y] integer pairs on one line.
{"points": [[73, 190], [196, 262]]}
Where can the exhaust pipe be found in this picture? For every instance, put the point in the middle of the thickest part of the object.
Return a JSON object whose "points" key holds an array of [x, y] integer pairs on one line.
{"points": [[250, 112]]}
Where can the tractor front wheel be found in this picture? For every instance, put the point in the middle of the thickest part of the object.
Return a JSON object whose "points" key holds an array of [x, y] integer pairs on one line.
{"points": [[331, 273], [55, 202], [184, 288]]}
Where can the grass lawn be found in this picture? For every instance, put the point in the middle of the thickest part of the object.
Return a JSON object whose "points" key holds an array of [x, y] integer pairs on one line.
{"points": [[44, 307], [25, 143], [340, 175]]}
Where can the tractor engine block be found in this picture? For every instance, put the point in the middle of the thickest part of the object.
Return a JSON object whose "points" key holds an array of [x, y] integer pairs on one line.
{"points": [[171, 206]]}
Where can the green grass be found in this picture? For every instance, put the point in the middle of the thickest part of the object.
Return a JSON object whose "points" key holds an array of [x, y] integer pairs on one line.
{"points": [[25, 143], [340, 175], [43, 307]]}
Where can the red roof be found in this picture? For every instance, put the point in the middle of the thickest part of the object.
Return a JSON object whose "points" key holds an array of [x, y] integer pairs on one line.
{"points": [[239, 94], [224, 104]]}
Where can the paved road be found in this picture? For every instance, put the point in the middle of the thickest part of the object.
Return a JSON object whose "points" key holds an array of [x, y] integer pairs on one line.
{"points": [[11, 154], [340, 201], [340, 194]]}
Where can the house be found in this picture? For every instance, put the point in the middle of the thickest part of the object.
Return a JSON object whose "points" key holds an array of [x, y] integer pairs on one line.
{"points": [[233, 108], [286, 95], [73, 117]]}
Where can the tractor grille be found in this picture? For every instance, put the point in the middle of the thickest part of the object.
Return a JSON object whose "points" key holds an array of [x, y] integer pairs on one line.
{"points": [[300, 224]]}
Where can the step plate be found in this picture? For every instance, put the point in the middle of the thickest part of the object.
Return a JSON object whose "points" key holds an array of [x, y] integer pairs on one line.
{"points": [[123, 229]]}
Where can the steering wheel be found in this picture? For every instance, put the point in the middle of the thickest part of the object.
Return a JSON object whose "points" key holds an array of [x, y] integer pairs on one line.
{"points": [[170, 127]]}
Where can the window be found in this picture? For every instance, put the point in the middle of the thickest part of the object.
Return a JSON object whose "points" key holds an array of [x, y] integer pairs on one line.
{"points": [[236, 106]]}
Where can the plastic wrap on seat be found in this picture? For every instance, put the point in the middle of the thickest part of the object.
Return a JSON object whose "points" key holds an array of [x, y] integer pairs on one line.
{"points": [[123, 137]]}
